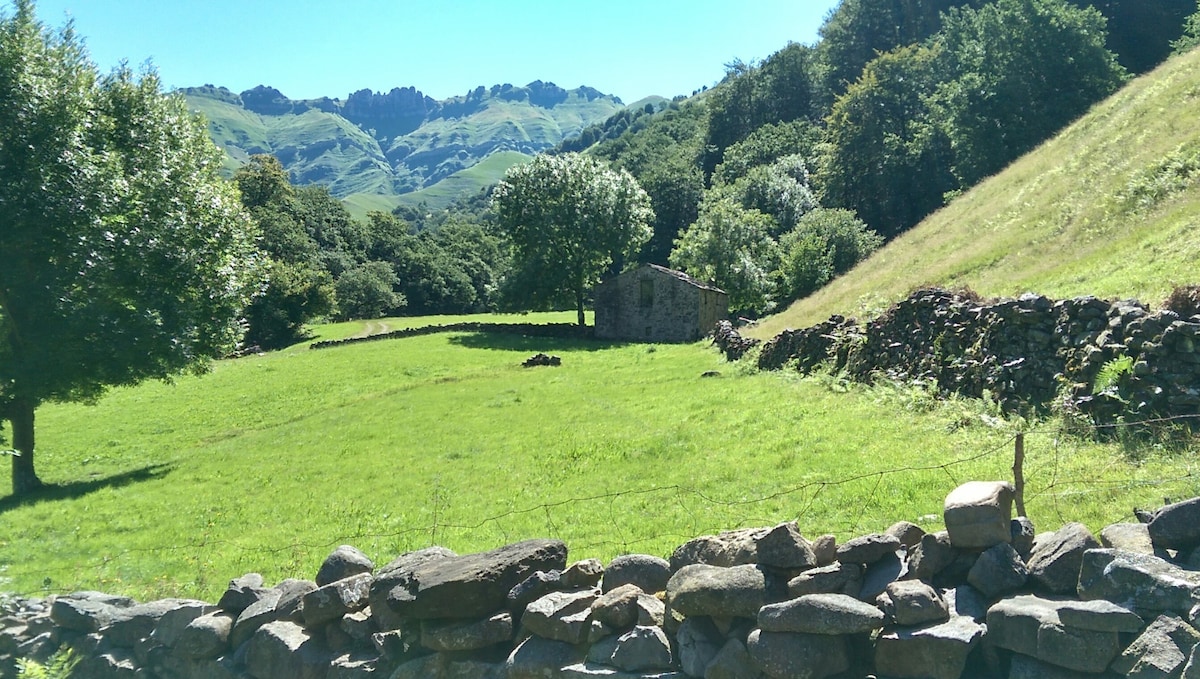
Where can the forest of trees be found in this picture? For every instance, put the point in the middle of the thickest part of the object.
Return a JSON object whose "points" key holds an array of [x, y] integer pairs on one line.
{"points": [[782, 176]]}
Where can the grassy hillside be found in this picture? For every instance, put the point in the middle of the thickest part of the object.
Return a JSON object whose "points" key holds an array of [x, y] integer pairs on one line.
{"points": [[271, 461], [1109, 208]]}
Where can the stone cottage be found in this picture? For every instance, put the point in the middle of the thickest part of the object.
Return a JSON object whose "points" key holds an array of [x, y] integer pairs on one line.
{"points": [[652, 303]]}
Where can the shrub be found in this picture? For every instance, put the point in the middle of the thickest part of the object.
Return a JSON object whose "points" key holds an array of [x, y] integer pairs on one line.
{"points": [[825, 243]]}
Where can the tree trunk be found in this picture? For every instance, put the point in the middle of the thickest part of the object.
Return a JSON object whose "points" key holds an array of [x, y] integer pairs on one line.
{"points": [[579, 305], [24, 478]]}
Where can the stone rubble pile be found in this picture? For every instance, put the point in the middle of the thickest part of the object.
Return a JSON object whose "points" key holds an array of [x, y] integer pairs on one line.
{"points": [[1022, 352], [985, 597]]}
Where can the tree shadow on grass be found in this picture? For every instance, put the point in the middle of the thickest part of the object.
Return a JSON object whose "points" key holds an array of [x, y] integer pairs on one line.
{"points": [[53, 492], [512, 342]]}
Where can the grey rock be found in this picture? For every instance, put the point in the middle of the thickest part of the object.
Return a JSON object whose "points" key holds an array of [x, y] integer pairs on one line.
{"points": [[532, 588], [172, 623], [978, 514], [291, 599], [256, 615], [867, 549], [129, 625], [1054, 565], [205, 637], [998, 571], [395, 573], [117, 663], [242, 592], [601, 651], [836, 578], [285, 650], [399, 645], [538, 658], [359, 626], [1023, 532], [584, 573], [617, 608], [81, 612], [1099, 615], [650, 610], [1138, 581], [356, 665], [344, 562], [715, 591], [649, 573], [562, 616], [785, 655], [453, 668], [825, 549], [730, 548], [784, 547], [1177, 526], [1025, 667], [467, 635], [1130, 537], [908, 533], [642, 649], [424, 667], [1162, 650], [878, 575], [699, 642], [1191, 669], [825, 614], [933, 652], [931, 556], [1031, 625], [474, 585], [968, 602], [731, 662], [912, 602], [330, 602]]}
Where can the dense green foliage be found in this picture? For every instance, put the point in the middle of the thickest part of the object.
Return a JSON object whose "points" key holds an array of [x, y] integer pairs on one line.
{"points": [[569, 219], [126, 256]]}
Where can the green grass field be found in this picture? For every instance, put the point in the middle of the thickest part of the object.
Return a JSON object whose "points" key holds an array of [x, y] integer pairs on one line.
{"points": [[269, 462]]}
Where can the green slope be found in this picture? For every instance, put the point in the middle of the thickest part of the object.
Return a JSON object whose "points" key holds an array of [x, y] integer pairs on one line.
{"points": [[1109, 207]]}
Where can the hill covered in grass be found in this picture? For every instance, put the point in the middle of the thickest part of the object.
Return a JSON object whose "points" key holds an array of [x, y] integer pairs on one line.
{"points": [[370, 148], [1108, 207]]}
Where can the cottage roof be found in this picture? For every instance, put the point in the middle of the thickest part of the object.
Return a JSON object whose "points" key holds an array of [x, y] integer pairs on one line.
{"points": [[684, 277]]}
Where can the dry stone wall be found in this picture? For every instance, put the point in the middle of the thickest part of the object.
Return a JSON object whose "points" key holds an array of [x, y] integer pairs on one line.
{"points": [[1023, 352], [986, 597]]}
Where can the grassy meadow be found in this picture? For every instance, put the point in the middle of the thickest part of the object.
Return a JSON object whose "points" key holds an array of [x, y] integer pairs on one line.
{"points": [[269, 462]]}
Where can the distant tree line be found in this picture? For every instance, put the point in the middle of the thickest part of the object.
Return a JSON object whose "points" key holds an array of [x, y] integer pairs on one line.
{"points": [[789, 171]]}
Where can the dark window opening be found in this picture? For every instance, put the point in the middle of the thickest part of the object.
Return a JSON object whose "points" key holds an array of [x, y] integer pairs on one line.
{"points": [[647, 292]]}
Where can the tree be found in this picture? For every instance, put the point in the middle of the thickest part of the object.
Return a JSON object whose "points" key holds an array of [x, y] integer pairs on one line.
{"points": [[569, 219], [732, 247], [368, 291], [1019, 70], [826, 243], [126, 256]]}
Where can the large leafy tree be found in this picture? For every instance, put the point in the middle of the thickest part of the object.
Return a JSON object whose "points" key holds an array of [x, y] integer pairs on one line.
{"points": [[731, 246], [125, 255], [570, 219]]}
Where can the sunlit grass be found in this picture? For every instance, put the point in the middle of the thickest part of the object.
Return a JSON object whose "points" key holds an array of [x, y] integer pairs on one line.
{"points": [[271, 461]]}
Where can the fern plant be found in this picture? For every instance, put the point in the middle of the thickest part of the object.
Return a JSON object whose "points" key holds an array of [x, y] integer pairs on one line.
{"points": [[1108, 380], [59, 666]]}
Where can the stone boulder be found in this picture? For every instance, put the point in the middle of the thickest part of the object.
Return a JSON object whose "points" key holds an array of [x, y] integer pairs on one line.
{"points": [[584, 573], [649, 573], [933, 652], [836, 578], [998, 571], [978, 514], [1162, 650], [538, 658], [827, 614], [285, 650], [867, 549], [1130, 537], [396, 573], [642, 649], [1138, 581], [786, 655], [911, 602], [930, 556], [471, 586], [562, 616], [344, 562], [1033, 626], [468, 635], [1177, 526], [1055, 561], [715, 591], [332, 601], [241, 593]]}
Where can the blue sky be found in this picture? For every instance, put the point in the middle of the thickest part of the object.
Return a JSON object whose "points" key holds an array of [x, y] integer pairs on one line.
{"points": [[311, 48]]}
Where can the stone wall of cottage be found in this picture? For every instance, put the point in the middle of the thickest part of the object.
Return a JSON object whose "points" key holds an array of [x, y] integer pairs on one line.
{"points": [[648, 304], [987, 597]]}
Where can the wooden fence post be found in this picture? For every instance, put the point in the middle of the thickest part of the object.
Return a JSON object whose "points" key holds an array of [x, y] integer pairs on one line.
{"points": [[1019, 473]]}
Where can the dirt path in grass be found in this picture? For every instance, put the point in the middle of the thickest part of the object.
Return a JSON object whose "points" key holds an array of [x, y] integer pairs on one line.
{"points": [[373, 328]]}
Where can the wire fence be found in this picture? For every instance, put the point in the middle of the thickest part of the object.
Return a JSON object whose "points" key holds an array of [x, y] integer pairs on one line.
{"points": [[1047, 480]]}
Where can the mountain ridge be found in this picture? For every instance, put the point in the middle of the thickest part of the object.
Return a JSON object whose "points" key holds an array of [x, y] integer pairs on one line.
{"points": [[391, 144]]}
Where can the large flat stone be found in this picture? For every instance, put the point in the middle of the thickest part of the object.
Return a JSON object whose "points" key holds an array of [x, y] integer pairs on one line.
{"points": [[471, 586], [1177, 526], [934, 652], [1032, 625], [285, 650], [829, 614], [1138, 581], [1161, 650], [649, 573], [1056, 559], [785, 655]]}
